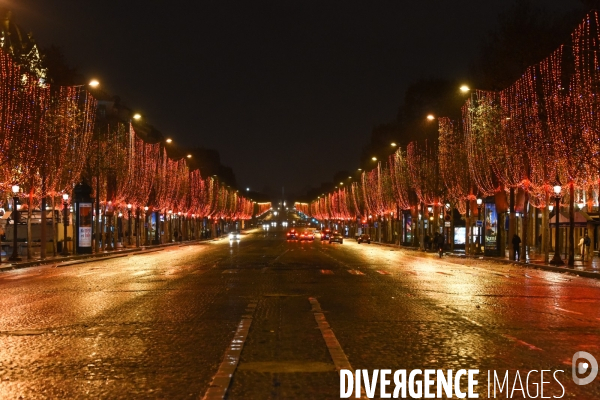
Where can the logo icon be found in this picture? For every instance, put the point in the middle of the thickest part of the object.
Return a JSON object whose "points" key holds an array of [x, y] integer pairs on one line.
{"points": [[589, 366]]}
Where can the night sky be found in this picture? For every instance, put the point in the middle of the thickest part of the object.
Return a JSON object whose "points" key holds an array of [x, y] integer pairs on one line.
{"points": [[287, 91]]}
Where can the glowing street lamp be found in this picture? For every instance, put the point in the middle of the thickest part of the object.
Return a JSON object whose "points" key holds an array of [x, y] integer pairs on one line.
{"points": [[430, 117], [137, 117], [94, 83], [374, 158], [169, 140], [465, 89]]}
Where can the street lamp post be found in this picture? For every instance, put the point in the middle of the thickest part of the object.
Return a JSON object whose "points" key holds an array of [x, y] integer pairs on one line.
{"points": [[129, 239], [556, 260], [147, 227], [15, 214], [429, 214], [65, 251], [479, 205], [179, 227]]}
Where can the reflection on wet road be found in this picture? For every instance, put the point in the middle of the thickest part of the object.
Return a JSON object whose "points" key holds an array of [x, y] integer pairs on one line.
{"points": [[162, 324]]}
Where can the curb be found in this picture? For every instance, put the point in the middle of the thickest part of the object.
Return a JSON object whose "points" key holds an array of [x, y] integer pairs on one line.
{"points": [[550, 268]]}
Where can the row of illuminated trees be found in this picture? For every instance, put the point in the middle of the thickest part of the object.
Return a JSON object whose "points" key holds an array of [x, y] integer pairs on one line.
{"points": [[52, 138], [541, 132]]}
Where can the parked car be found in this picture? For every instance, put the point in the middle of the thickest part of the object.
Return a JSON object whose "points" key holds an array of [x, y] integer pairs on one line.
{"points": [[336, 237], [364, 238]]}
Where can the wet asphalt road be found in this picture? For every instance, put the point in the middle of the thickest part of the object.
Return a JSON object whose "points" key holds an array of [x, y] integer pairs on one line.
{"points": [[158, 325]]}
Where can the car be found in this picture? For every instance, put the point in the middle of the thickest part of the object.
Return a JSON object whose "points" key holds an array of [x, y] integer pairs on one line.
{"points": [[325, 234], [234, 236], [307, 236], [292, 235], [364, 238], [336, 237]]}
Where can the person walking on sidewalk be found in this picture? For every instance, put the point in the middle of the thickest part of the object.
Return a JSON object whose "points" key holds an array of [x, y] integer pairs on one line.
{"points": [[441, 241], [586, 246], [516, 242]]}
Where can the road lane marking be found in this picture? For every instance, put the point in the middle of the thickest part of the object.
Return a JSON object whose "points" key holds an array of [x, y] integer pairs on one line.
{"points": [[383, 272], [335, 349], [222, 379], [230, 271], [355, 272], [278, 257], [471, 321], [326, 272], [567, 311], [444, 273], [521, 342]]}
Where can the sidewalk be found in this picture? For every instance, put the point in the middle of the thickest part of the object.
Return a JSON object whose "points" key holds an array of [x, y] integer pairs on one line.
{"points": [[104, 255], [589, 268]]}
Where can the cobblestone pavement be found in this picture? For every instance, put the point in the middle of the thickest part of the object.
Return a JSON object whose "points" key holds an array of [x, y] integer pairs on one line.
{"points": [[158, 325]]}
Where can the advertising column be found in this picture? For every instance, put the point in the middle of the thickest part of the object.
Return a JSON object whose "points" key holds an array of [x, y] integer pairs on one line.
{"points": [[82, 229], [84, 238]]}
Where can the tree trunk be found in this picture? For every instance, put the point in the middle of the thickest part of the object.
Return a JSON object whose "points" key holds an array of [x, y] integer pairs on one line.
{"points": [[546, 230], [571, 262], [512, 220], [54, 229], [524, 243], [422, 228], [29, 214], [468, 228], [43, 227]]}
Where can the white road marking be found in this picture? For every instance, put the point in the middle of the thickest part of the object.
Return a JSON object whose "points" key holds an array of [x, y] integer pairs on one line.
{"points": [[521, 342], [222, 379], [567, 311], [335, 349], [355, 272]]}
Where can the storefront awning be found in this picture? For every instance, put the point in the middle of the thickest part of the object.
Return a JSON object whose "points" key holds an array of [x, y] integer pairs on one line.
{"points": [[580, 219]]}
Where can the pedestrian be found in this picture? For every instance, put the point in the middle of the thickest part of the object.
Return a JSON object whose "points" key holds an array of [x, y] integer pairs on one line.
{"points": [[441, 241], [581, 248], [516, 242], [427, 242], [587, 242]]}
